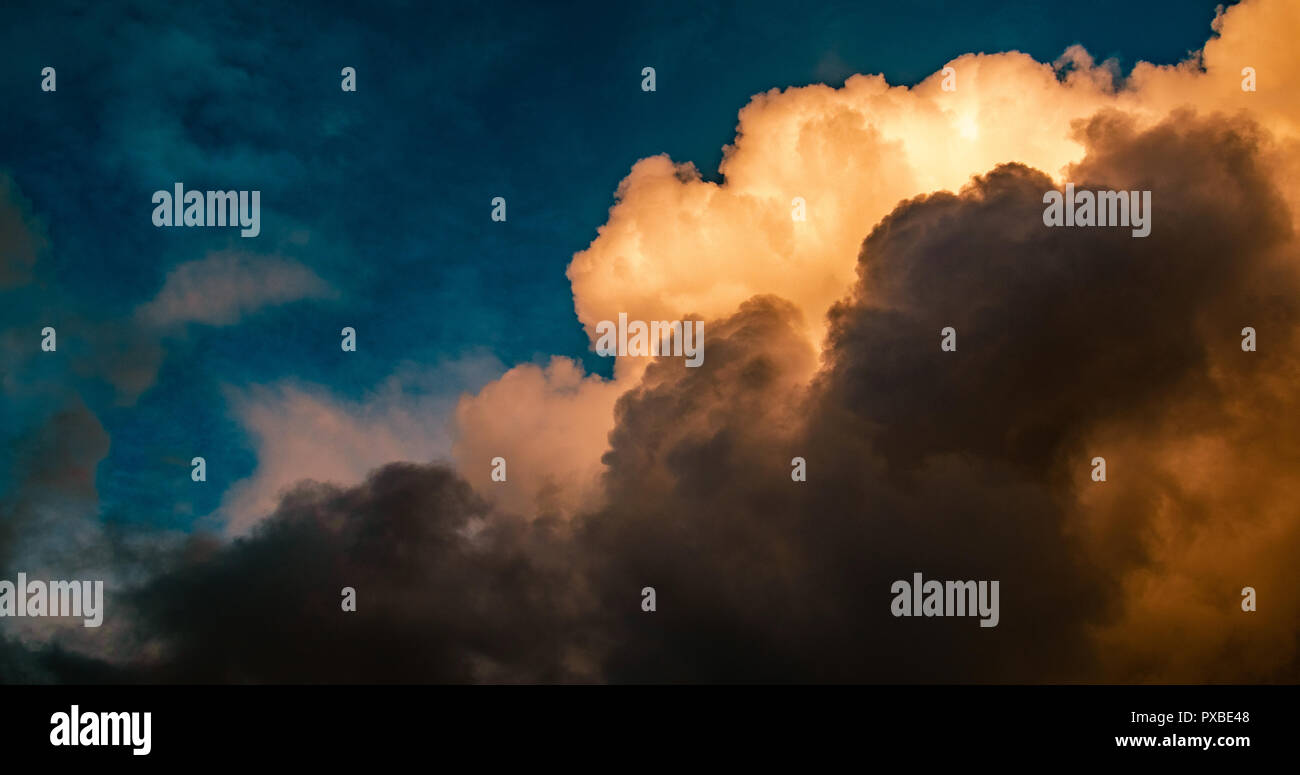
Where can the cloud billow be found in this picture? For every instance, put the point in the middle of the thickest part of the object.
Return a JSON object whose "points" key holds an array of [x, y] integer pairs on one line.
{"points": [[964, 465], [824, 344]]}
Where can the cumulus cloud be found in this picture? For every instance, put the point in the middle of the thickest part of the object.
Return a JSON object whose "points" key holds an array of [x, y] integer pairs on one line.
{"points": [[972, 464], [924, 211], [1081, 343], [675, 244]]}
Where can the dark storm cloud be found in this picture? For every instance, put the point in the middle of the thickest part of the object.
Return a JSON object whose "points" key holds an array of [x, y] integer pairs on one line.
{"points": [[441, 596], [960, 465], [965, 465], [761, 578], [1058, 328]]}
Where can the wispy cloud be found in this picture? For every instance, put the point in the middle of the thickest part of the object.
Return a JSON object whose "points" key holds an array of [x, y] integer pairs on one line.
{"points": [[223, 288]]}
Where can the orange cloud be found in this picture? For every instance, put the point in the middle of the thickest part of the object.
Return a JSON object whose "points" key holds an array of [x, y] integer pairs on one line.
{"points": [[676, 245]]}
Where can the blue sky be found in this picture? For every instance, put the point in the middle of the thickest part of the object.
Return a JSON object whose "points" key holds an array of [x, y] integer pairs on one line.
{"points": [[384, 193]]}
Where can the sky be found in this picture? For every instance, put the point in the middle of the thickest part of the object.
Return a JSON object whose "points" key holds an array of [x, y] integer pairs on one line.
{"points": [[475, 337]]}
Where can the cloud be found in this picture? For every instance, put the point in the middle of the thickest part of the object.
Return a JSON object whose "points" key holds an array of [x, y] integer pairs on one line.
{"points": [[924, 212], [549, 424], [1076, 343], [432, 603], [224, 287], [50, 529], [675, 244], [304, 432], [965, 465]]}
